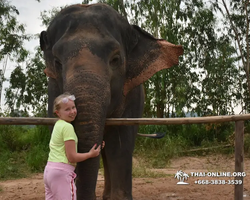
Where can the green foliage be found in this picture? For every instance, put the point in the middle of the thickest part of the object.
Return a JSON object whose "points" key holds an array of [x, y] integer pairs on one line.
{"points": [[12, 33], [202, 133], [37, 158], [12, 38], [211, 79], [28, 88], [12, 151], [37, 155], [158, 152], [11, 138], [179, 138], [236, 23], [142, 172], [40, 135], [12, 165], [24, 149], [47, 16]]}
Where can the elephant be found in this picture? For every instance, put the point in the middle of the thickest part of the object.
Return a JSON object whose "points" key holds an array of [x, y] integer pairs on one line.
{"points": [[94, 53]]}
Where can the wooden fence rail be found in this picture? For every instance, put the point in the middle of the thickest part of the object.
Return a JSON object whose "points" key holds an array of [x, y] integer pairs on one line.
{"points": [[130, 121], [239, 132]]}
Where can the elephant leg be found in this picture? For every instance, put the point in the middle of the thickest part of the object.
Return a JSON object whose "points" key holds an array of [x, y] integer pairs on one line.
{"points": [[118, 163], [87, 172], [107, 184], [118, 151]]}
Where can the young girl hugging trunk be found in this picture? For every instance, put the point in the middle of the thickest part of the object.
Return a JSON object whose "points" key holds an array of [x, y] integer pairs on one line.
{"points": [[59, 172]]}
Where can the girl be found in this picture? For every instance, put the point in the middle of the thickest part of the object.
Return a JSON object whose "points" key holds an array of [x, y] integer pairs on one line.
{"points": [[59, 172]]}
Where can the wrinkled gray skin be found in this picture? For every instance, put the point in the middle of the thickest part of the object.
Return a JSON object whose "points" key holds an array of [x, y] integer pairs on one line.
{"points": [[93, 53]]}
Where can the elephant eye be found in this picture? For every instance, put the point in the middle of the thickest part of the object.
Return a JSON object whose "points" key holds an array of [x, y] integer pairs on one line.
{"points": [[57, 63], [115, 62]]}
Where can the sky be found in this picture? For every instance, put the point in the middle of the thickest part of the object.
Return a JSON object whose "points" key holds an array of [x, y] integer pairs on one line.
{"points": [[29, 14]]}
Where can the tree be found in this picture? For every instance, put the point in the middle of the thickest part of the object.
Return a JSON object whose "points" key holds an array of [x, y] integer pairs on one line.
{"points": [[12, 37], [12, 34], [209, 79], [211, 57], [236, 21], [171, 92], [28, 87], [28, 83]]}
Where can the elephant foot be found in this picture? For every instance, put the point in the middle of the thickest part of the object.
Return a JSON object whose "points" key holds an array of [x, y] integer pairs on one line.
{"points": [[116, 197], [108, 198]]}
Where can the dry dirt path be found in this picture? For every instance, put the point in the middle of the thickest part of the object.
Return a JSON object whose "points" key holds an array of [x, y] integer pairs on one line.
{"points": [[152, 188]]}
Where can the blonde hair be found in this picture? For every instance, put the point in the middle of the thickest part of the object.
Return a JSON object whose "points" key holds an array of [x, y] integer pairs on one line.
{"points": [[58, 100]]}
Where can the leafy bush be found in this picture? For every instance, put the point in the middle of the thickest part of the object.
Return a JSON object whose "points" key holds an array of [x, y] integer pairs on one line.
{"points": [[39, 135], [158, 152], [38, 153], [11, 137], [12, 165], [23, 149], [36, 157]]}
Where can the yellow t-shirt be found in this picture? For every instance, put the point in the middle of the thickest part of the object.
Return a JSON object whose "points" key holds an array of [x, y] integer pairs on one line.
{"points": [[63, 131]]}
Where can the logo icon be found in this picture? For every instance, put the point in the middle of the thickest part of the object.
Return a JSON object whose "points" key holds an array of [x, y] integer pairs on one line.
{"points": [[181, 176]]}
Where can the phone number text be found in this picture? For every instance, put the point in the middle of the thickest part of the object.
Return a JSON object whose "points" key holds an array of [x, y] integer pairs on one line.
{"points": [[218, 182]]}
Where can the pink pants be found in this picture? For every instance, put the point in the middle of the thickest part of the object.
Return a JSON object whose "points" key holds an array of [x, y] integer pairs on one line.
{"points": [[59, 181]]}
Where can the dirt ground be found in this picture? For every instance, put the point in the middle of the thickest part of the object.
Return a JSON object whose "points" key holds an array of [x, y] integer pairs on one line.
{"points": [[153, 188]]}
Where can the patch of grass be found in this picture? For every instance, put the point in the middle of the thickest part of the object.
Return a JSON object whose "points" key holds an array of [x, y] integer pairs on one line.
{"points": [[143, 172], [36, 158], [180, 140], [24, 150], [13, 165], [158, 152], [11, 137], [209, 147]]}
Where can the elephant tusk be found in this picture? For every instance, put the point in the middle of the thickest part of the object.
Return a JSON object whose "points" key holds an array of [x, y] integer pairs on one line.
{"points": [[154, 135]]}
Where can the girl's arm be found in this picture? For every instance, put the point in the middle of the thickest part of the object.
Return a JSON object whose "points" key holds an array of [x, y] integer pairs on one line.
{"points": [[74, 157]]}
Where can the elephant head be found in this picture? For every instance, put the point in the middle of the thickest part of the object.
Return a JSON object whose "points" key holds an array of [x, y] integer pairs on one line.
{"points": [[94, 53]]}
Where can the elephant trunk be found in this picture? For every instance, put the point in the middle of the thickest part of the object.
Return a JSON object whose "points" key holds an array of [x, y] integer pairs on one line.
{"points": [[92, 93]]}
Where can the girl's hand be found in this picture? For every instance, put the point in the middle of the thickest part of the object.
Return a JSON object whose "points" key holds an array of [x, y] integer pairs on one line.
{"points": [[95, 151], [103, 144]]}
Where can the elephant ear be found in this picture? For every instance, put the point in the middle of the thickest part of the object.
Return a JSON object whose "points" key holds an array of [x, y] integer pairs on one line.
{"points": [[149, 56], [43, 40], [44, 45]]}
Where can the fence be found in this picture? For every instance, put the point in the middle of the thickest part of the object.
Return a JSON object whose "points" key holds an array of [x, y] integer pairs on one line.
{"points": [[239, 132]]}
